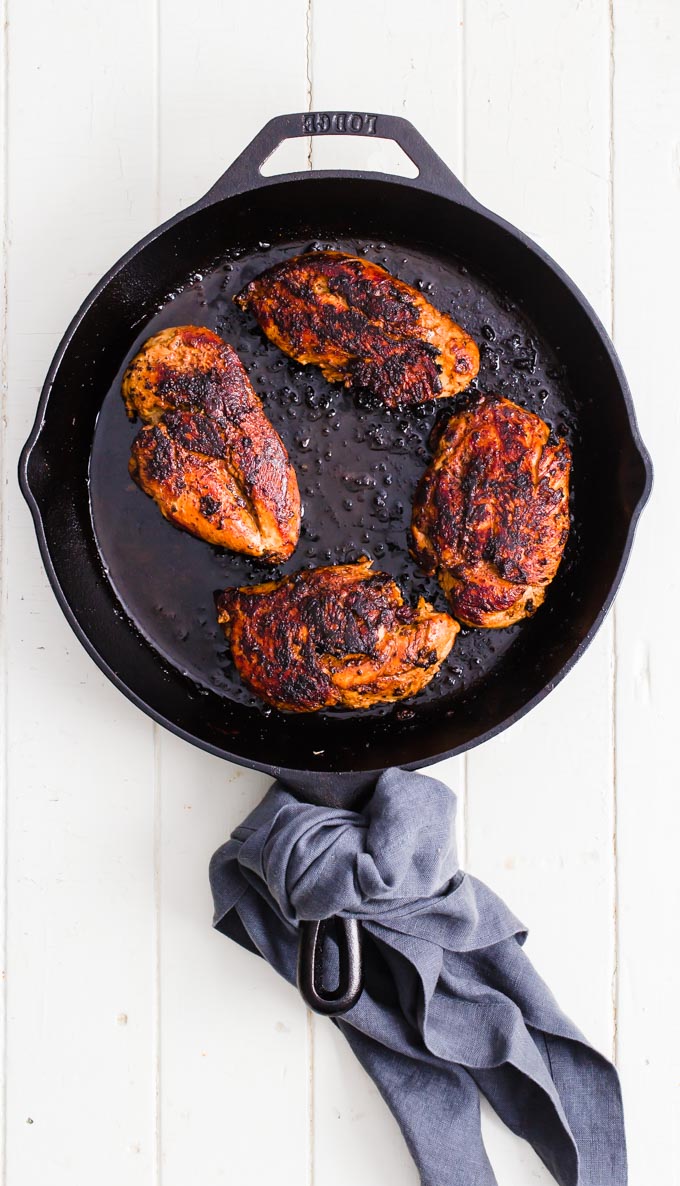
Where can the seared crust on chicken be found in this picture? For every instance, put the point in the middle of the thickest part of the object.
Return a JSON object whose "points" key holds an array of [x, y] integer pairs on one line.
{"points": [[336, 636], [362, 326], [207, 454], [491, 514]]}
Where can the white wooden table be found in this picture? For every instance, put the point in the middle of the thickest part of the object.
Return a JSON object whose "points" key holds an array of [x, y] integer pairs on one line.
{"points": [[141, 1047]]}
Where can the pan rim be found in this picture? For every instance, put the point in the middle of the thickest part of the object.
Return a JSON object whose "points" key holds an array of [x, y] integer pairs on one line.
{"points": [[33, 501]]}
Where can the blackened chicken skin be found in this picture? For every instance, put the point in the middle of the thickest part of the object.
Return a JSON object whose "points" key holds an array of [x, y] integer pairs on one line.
{"points": [[208, 455], [362, 326], [491, 514], [336, 636]]}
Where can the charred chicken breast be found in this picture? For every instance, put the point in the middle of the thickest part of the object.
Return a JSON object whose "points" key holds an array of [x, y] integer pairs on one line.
{"points": [[362, 326], [336, 636], [207, 453], [491, 514]]}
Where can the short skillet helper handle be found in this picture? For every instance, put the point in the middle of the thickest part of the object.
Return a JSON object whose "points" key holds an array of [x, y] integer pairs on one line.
{"points": [[245, 173], [310, 966]]}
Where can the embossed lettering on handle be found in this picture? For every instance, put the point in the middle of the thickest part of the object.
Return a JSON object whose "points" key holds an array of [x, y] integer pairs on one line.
{"points": [[246, 172], [341, 123]]}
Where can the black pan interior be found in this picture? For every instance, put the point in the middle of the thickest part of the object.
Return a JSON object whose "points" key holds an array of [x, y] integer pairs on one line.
{"points": [[143, 591]]}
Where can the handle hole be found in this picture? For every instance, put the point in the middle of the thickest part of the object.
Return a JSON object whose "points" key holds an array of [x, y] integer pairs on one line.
{"points": [[373, 154], [330, 963]]}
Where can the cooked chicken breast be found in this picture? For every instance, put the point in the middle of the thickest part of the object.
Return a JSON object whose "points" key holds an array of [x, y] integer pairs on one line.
{"points": [[362, 326], [208, 454], [491, 514], [337, 636]]}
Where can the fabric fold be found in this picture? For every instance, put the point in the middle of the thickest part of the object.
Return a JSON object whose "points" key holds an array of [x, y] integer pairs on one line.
{"points": [[452, 1005]]}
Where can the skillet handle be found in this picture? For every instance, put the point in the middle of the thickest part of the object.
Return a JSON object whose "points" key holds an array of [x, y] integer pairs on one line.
{"points": [[245, 173], [310, 966]]}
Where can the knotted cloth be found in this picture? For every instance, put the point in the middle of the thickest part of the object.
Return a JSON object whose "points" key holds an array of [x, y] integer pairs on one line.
{"points": [[451, 1005]]}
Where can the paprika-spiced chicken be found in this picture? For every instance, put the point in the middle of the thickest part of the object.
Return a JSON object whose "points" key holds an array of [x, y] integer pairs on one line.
{"points": [[362, 326], [207, 453], [339, 636], [491, 514]]}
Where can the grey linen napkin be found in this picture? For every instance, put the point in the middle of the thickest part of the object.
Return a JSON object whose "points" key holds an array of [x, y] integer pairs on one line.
{"points": [[451, 1005]]}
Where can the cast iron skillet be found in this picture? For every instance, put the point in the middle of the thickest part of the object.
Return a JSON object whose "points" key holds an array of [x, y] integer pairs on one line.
{"points": [[139, 594]]}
